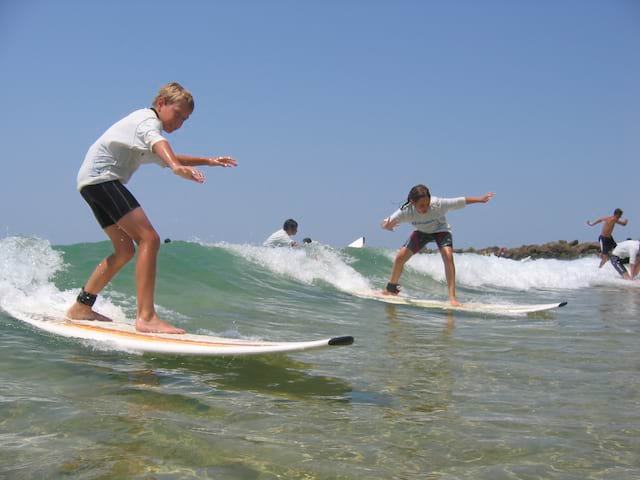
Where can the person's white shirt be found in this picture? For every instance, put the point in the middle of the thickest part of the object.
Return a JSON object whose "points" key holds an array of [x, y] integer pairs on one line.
{"points": [[119, 151], [434, 220], [279, 239], [627, 249]]}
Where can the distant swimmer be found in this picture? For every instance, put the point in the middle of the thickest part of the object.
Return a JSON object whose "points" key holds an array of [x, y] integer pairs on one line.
{"points": [[607, 243], [109, 164], [282, 237], [627, 250], [306, 240], [427, 215]]}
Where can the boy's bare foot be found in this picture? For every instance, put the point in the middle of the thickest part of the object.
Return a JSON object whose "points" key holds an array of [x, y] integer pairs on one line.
{"points": [[155, 325], [80, 311], [455, 302], [387, 292]]}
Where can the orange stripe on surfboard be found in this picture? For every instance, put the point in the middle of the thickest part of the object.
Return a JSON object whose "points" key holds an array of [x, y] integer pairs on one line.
{"points": [[153, 338]]}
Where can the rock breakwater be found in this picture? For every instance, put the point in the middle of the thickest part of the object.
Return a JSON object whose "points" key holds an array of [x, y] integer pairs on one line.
{"points": [[562, 249]]}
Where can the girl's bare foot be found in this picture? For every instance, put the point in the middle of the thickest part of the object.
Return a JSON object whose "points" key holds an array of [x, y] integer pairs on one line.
{"points": [[155, 325], [80, 311], [455, 302]]}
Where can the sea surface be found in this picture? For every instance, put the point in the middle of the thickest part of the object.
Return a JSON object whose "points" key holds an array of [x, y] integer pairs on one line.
{"points": [[420, 394]]}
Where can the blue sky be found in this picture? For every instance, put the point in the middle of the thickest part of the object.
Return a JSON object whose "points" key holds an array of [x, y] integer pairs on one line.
{"points": [[334, 110]]}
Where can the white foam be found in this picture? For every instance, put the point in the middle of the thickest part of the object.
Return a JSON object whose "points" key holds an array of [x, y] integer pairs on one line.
{"points": [[27, 267], [476, 271], [322, 263], [305, 264]]}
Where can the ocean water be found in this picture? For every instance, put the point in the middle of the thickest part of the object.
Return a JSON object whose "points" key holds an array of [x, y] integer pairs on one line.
{"points": [[420, 395]]}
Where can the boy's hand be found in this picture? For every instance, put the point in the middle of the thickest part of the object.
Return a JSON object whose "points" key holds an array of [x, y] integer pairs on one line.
{"points": [[223, 162], [189, 173]]}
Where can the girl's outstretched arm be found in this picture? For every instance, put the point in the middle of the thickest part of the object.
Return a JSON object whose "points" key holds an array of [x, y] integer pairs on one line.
{"points": [[484, 199]]}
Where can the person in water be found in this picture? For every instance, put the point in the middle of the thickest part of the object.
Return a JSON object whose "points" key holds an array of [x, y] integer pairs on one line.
{"points": [[606, 241], [427, 215], [108, 165], [282, 237], [626, 251]]}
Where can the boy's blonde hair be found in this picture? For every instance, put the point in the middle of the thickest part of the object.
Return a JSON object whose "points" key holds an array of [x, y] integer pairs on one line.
{"points": [[173, 92]]}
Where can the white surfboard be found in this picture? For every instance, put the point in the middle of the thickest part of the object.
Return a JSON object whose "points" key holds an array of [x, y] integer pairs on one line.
{"points": [[122, 336], [357, 243], [472, 307]]}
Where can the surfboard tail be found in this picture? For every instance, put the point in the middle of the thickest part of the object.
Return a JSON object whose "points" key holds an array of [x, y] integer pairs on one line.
{"points": [[344, 340]]}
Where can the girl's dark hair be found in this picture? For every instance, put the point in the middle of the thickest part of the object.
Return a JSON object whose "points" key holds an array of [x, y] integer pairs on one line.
{"points": [[416, 193]]}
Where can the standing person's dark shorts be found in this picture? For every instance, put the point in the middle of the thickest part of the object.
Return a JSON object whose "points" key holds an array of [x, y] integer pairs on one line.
{"points": [[419, 239], [606, 244]]}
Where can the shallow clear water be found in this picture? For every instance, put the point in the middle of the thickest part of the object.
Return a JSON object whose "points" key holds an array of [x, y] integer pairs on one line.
{"points": [[420, 394]]}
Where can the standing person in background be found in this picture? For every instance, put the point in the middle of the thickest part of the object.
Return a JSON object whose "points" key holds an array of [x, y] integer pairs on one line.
{"points": [[427, 215], [282, 237], [108, 165], [607, 243]]}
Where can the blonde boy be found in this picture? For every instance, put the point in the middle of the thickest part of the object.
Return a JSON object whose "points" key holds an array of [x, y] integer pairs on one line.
{"points": [[108, 165]]}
